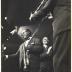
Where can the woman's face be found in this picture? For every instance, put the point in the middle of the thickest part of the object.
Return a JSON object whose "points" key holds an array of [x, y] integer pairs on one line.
{"points": [[45, 40]]}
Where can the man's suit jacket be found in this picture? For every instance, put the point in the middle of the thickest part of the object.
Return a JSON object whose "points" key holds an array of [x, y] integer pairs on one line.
{"points": [[34, 52]]}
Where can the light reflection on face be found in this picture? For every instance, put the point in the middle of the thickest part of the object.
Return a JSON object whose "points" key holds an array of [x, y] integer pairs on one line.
{"points": [[45, 40], [23, 33]]}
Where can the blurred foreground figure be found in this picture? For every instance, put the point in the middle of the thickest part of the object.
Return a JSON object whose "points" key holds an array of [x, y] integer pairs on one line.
{"points": [[61, 10]]}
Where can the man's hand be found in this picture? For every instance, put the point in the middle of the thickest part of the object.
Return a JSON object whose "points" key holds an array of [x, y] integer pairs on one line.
{"points": [[6, 56]]}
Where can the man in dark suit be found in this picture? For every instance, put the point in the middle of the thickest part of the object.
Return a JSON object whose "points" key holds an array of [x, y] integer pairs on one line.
{"points": [[61, 31], [28, 52]]}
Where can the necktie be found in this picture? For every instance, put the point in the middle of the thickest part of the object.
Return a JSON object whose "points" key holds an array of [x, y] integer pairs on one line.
{"points": [[25, 56]]}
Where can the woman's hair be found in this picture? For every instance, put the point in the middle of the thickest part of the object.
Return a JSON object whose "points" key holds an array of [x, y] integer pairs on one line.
{"points": [[45, 37]]}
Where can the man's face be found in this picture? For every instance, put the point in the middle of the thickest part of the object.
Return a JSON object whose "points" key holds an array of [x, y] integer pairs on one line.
{"points": [[45, 40], [24, 34]]}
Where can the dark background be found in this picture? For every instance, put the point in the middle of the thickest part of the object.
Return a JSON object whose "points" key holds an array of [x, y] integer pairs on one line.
{"points": [[17, 13]]}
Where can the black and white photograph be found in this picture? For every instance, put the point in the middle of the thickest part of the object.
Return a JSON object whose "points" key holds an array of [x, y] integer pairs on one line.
{"points": [[35, 35]]}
